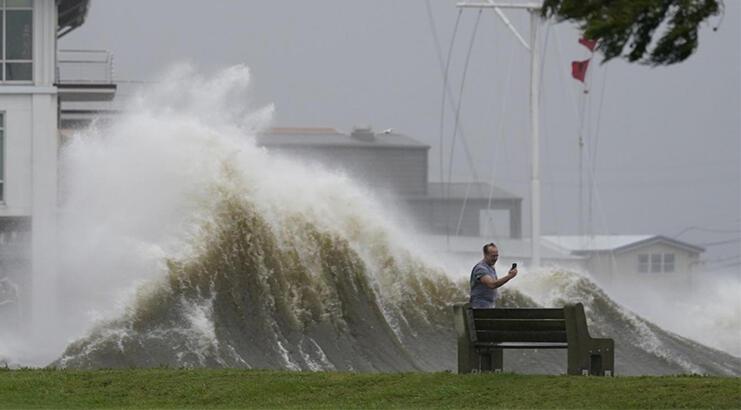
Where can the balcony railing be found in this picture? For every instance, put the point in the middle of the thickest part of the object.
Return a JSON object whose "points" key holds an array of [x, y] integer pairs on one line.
{"points": [[84, 67]]}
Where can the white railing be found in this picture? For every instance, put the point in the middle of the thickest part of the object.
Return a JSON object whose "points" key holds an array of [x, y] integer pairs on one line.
{"points": [[84, 66]]}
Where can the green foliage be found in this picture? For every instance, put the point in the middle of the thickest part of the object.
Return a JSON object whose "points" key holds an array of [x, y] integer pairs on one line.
{"points": [[633, 24], [229, 388]]}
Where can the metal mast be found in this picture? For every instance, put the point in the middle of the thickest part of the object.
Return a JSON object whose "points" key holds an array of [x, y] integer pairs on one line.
{"points": [[534, 10]]}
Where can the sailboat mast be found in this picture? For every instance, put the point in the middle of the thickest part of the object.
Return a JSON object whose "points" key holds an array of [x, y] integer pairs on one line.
{"points": [[534, 9], [535, 136]]}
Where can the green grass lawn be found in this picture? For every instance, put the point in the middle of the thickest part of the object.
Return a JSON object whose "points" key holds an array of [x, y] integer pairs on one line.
{"points": [[223, 388]]}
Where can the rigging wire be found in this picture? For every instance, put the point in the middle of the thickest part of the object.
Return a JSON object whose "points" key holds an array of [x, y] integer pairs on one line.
{"points": [[594, 198], [589, 141], [583, 119], [599, 118], [565, 74], [446, 188], [446, 70], [546, 139], [722, 263], [721, 260], [595, 192], [700, 228], [502, 113], [594, 151], [577, 114], [735, 240], [501, 133], [491, 185], [458, 114], [729, 265], [452, 104]]}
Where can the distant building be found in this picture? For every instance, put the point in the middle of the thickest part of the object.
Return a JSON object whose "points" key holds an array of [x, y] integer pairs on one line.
{"points": [[469, 209], [396, 163], [623, 258], [387, 161]]}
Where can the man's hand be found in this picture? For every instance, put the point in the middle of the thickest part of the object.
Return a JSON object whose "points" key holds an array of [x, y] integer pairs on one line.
{"points": [[489, 280]]}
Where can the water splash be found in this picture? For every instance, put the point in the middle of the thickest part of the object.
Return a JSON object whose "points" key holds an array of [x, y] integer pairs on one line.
{"points": [[175, 174]]}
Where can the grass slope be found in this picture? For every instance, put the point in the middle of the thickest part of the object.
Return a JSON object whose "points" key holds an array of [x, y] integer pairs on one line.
{"points": [[224, 388]]}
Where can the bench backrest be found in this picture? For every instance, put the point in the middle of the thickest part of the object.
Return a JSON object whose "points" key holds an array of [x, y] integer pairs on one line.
{"points": [[517, 325]]}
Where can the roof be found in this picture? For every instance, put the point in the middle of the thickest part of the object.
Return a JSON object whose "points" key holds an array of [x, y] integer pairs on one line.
{"points": [[71, 14], [310, 137], [614, 243], [470, 190], [511, 248]]}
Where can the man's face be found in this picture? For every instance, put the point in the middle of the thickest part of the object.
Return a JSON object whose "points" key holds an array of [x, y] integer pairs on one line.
{"points": [[492, 254]]}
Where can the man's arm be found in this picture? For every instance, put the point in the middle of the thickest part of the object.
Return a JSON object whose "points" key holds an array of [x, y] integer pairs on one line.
{"points": [[492, 283]]}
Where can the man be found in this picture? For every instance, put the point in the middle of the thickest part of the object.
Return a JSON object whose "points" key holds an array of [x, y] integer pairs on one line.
{"points": [[484, 280]]}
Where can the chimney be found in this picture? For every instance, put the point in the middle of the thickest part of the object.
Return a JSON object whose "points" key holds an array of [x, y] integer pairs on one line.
{"points": [[363, 133]]}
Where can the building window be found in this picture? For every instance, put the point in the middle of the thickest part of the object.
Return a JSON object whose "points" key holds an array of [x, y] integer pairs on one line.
{"points": [[668, 262], [655, 262], [643, 263], [16, 40], [2, 157]]}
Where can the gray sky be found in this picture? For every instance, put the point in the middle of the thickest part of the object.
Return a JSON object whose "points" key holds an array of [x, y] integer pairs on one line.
{"points": [[667, 141]]}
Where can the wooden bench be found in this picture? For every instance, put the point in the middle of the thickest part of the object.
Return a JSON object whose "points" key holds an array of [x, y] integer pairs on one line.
{"points": [[484, 333]]}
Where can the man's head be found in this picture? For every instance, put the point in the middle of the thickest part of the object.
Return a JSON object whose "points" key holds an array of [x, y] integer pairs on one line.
{"points": [[491, 253]]}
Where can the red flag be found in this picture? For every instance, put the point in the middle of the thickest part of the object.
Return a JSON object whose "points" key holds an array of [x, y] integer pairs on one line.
{"points": [[579, 69], [590, 44]]}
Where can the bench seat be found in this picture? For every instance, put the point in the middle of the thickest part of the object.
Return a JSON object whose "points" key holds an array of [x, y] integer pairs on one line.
{"points": [[522, 345]]}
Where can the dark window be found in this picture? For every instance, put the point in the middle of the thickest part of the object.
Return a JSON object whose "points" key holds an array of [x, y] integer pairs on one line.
{"points": [[18, 34], [643, 263], [668, 262], [655, 262], [16, 38]]}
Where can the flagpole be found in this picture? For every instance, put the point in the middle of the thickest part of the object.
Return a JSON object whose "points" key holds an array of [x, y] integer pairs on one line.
{"points": [[535, 135], [579, 72]]}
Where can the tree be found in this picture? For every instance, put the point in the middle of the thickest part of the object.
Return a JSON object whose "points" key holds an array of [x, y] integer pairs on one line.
{"points": [[617, 23]]}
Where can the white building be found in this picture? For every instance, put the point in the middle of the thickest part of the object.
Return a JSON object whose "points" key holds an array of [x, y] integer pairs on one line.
{"points": [[30, 93], [653, 260]]}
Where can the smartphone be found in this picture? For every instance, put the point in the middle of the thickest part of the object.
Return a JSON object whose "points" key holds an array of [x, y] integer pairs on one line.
{"points": [[514, 265]]}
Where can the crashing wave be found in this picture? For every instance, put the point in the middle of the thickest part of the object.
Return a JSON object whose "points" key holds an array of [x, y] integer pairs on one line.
{"points": [[244, 259]]}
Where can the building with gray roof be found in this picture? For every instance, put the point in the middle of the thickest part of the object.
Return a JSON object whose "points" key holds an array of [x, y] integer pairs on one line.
{"points": [[398, 164]]}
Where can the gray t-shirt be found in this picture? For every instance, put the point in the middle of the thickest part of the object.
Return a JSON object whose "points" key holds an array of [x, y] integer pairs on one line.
{"points": [[482, 296]]}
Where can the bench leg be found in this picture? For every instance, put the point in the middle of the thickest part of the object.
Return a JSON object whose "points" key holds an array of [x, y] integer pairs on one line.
{"points": [[591, 363], [485, 361], [468, 358], [595, 365], [602, 357], [497, 359], [597, 360], [490, 360]]}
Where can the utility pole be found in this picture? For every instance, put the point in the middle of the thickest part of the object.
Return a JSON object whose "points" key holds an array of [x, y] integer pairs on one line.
{"points": [[534, 10]]}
